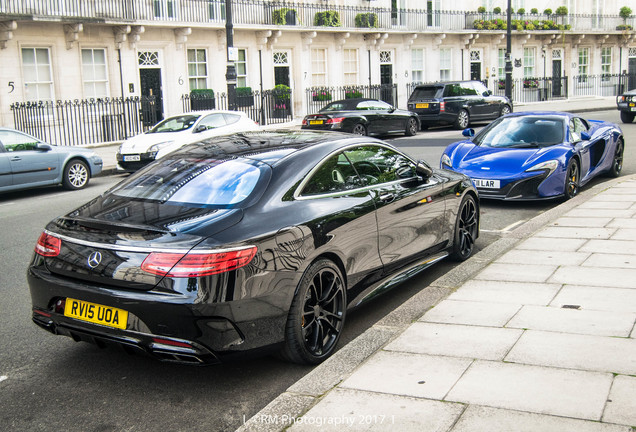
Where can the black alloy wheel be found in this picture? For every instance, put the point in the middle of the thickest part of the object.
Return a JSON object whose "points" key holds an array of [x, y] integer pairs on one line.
{"points": [[317, 315], [76, 175], [463, 120], [572, 180], [359, 129], [617, 163], [411, 127], [505, 110], [466, 228]]}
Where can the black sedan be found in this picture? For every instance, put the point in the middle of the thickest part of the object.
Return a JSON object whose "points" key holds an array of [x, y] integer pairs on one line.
{"points": [[247, 242], [363, 117], [626, 104]]}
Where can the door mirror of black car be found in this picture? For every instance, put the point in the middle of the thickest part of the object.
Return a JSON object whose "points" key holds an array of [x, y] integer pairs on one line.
{"points": [[488, 93], [392, 109], [468, 132], [585, 136], [43, 147], [423, 170], [200, 128]]}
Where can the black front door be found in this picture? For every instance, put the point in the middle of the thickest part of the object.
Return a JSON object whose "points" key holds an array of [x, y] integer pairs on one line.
{"points": [[386, 83], [631, 83], [151, 96], [475, 71], [556, 78]]}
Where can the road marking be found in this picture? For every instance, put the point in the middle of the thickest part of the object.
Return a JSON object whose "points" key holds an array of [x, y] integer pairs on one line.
{"points": [[3, 377], [513, 225]]}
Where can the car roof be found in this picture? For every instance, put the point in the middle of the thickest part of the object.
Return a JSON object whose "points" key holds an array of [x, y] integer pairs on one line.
{"points": [[268, 145], [443, 83], [206, 112]]}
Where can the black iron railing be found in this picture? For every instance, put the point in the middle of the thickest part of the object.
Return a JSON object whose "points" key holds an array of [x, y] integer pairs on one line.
{"points": [[81, 122], [269, 107], [318, 97], [279, 13]]}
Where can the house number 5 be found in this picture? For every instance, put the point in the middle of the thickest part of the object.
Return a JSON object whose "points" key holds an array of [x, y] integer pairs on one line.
{"points": [[11, 86]]}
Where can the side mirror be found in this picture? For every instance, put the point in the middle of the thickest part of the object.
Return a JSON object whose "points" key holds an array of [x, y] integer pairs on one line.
{"points": [[488, 93], [392, 109], [43, 147], [423, 169], [585, 136], [468, 132], [200, 128]]}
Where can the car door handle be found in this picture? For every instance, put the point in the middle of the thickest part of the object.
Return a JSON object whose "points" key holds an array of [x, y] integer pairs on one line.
{"points": [[388, 197], [16, 159]]}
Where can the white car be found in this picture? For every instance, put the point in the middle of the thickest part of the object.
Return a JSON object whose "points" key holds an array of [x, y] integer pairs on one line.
{"points": [[177, 131]]}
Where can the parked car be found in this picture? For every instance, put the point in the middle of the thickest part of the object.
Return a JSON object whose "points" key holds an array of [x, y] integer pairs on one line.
{"points": [[177, 131], [457, 103], [362, 116], [537, 155], [27, 162], [626, 104], [249, 241]]}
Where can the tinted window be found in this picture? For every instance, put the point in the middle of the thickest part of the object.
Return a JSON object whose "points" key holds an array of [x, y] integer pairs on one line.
{"points": [[15, 141], [577, 126], [212, 121], [453, 90], [334, 175], [468, 89], [193, 181], [377, 165], [175, 124], [336, 106], [480, 87], [520, 132], [426, 93]]}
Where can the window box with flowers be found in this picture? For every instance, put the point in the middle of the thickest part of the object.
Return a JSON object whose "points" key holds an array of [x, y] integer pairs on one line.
{"points": [[352, 94], [530, 83], [320, 95]]}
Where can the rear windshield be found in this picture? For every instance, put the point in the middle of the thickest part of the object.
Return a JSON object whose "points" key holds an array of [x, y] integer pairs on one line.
{"points": [[193, 181], [426, 93], [175, 124]]}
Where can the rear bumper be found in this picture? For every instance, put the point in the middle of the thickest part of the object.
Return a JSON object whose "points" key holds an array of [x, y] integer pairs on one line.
{"points": [[442, 118]]}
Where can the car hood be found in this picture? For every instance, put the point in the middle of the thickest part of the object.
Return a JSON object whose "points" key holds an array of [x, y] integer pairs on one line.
{"points": [[141, 143], [486, 162]]}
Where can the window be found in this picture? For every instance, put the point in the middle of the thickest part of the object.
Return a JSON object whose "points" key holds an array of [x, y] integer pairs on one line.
{"points": [[445, 64], [15, 141], [501, 63], [606, 63], [577, 126], [335, 175], [164, 8], [529, 56], [516, 4], [318, 67], [94, 73], [216, 9], [584, 64], [36, 67], [417, 65], [350, 66], [377, 165], [197, 68], [241, 68], [212, 121]]}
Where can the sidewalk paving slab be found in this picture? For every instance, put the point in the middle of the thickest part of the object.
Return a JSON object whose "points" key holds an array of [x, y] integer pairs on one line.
{"points": [[506, 292], [611, 260], [600, 277], [621, 406], [593, 298], [471, 313]]}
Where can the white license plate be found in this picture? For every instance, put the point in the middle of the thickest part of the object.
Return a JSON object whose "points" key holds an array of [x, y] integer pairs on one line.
{"points": [[632, 109], [486, 184], [132, 158]]}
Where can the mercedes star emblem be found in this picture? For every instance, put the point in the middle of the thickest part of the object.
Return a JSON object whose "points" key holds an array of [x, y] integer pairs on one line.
{"points": [[94, 259]]}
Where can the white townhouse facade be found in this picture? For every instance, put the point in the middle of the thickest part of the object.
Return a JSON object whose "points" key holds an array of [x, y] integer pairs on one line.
{"points": [[67, 50]]}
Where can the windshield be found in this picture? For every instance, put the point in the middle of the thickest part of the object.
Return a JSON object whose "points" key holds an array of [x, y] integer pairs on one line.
{"points": [[522, 132], [175, 124], [193, 181]]}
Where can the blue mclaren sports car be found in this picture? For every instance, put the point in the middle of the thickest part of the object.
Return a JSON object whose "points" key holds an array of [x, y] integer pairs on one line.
{"points": [[537, 155]]}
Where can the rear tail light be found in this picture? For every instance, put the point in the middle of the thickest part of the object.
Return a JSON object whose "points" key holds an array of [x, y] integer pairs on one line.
{"points": [[197, 264], [48, 245], [304, 122], [442, 106], [335, 120]]}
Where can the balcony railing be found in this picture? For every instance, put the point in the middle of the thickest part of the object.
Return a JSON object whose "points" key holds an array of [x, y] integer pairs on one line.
{"points": [[279, 13]]}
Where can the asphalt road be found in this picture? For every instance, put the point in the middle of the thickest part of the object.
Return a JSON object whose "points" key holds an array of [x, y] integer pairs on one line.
{"points": [[50, 383]]}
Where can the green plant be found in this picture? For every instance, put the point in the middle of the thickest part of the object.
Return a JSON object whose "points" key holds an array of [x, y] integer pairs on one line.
{"points": [[530, 83], [561, 10], [202, 93], [353, 94], [548, 11], [366, 20], [625, 13], [497, 10], [243, 91], [624, 27], [521, 11], [328, 18], [321, 95], [534, 11], [284, 16], [481, 9]]}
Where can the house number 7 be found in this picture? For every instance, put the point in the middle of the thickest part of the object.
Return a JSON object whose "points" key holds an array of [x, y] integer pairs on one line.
{"points": [[12, 86]]}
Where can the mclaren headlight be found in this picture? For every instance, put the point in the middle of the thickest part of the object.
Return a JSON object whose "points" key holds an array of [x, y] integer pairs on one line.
{"points": [[446, 162], [549, 166]]}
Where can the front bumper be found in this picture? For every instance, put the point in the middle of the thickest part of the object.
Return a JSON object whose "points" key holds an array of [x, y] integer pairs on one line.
{"points": [[134, 165], [536, 187]]}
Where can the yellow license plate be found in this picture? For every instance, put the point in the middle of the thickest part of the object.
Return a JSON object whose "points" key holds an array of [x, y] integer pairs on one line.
{"points": [[315, 122], [632, 104], [421, 105], [96, 313]]}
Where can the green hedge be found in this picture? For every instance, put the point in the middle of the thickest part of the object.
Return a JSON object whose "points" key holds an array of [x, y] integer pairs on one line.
{"points": [[369, 20], [328, 18], [284, 16], [500, 24]]}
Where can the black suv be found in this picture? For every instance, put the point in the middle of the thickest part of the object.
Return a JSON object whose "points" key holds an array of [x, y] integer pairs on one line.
{"points": [[626, 103], [456, 102]]}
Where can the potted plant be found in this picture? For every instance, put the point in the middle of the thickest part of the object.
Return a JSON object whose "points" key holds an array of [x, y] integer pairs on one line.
{"points": [[244, 96], [521, 11], [202, 99], [282, 100], [624, 13], [321, 95], [496, 10], [548, 12], [534, 11], [481, 10], [369, 20], [328, 18], [561, 11], [284, 16]]}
